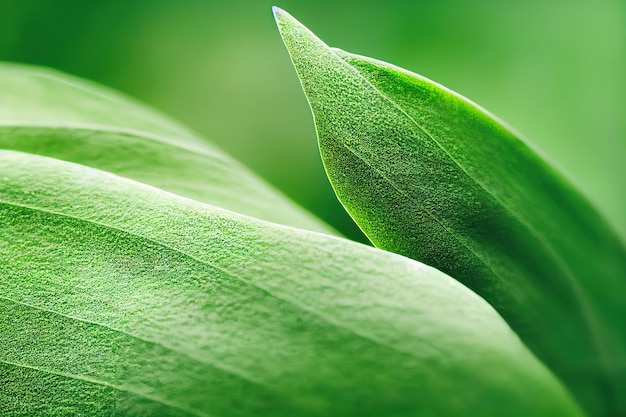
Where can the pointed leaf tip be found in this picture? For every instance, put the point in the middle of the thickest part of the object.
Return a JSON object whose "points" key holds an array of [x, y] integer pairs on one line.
{"points": [[279, 13], [284, 20]]}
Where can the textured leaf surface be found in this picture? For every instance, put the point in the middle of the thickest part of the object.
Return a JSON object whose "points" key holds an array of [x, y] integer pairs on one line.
{"points": [[116, 297], [48, 113], [430, 175]]}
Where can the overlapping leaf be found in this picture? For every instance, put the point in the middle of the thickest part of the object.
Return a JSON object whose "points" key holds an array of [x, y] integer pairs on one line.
{"points": [[430, 175], [48, 113], [119, 298]]}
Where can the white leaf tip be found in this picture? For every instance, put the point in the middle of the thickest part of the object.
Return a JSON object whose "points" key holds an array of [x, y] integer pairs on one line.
{"points": [[277, 11]]}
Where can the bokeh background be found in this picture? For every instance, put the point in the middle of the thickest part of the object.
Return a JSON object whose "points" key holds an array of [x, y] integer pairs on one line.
{"points": [[553, 69]]}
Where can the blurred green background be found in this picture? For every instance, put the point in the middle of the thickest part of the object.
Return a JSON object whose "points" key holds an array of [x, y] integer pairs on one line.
{"points": [[553, 69]]}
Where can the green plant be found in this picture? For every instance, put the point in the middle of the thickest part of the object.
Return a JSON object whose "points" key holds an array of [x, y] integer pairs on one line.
{"points": [[126, 288]]}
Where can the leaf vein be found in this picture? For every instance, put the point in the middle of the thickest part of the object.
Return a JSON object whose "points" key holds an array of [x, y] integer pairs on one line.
{"points": [[109, 385], [220, 367], [293, 302]]}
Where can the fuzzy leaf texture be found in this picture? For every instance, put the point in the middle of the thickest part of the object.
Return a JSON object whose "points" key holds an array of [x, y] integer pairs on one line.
{"points": [[428, 174], [119, 298]]}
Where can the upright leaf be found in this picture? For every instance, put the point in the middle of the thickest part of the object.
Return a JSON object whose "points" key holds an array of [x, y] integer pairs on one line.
{"points": [[430, 175], [118, 298], [48, 113]]}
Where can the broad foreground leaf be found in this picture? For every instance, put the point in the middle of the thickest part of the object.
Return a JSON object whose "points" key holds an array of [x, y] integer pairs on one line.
{"points": [[48, 113], [119, 298], [430, 175]]}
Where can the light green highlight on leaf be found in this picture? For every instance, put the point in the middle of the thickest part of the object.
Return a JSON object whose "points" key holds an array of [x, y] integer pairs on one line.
{"points": [[116, 297]]}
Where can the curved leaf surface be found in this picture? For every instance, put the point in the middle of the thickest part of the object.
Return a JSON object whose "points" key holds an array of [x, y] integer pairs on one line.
{"points": [[120, 298], [430, 175], [51, 114]]}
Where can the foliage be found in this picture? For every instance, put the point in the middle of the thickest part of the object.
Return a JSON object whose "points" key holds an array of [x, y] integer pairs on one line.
{"points": [[145, 272]]}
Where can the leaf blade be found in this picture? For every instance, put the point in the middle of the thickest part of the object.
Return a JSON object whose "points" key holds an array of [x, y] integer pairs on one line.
{"points": [[213, 313], [403, 154], [52, 114]]}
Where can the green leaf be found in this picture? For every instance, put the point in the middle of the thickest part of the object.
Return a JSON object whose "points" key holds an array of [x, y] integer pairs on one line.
{"points": [[119, 298], [430, 175], [48, 113]]}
